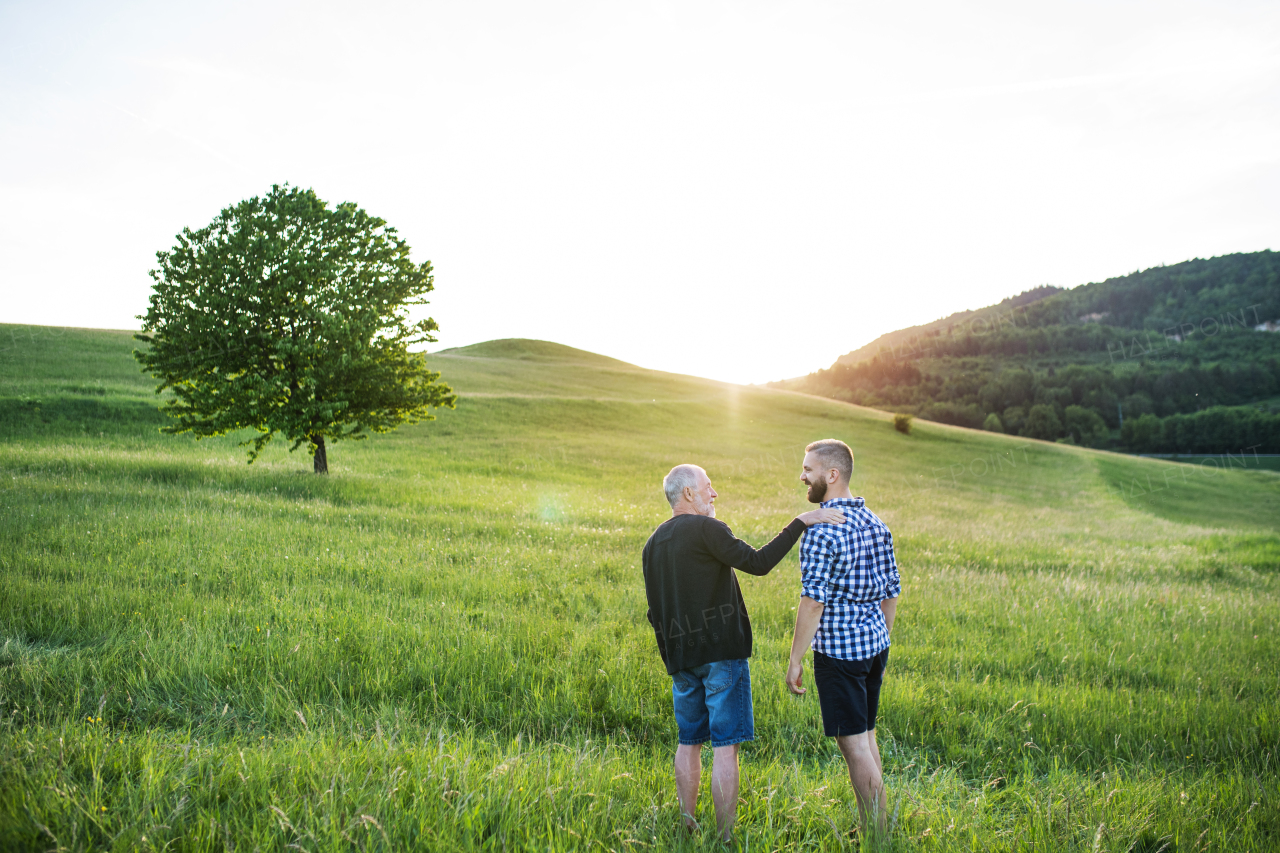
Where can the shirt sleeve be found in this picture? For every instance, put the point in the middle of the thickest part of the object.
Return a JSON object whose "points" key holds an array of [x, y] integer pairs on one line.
{"points": [[817, 558], [887, 564], [732, 551]]}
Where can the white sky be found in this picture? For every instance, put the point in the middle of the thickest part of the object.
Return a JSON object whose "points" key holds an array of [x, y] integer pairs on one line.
{"points": [[736, 190]]}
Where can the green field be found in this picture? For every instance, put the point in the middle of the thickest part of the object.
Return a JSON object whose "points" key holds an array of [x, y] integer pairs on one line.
{"points": [[1244, 460], [442, 645]]}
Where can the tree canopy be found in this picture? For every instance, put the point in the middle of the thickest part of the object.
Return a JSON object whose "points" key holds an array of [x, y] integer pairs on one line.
{"points": [[286, 316]]}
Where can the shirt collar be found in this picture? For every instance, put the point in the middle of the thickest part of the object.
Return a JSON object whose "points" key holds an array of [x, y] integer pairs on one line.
{"points": [[856, 503]]}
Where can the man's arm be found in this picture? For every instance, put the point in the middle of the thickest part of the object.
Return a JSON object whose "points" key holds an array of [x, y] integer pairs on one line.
{"points": [[808, 618], [732, 551], [658, 635], [881, 547], [816, 562], [890, 608], [653, 612]]}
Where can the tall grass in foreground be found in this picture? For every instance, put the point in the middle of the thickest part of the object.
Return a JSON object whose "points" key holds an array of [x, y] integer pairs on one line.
{"points": [[443, 645]]}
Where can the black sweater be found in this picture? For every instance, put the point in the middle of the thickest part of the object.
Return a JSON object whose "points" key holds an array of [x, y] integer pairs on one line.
{"points": [[695, 606]]}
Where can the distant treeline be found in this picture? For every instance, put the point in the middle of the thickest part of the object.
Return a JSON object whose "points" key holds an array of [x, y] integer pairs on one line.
{"points": [[1173, 355], [1113, 391], [1083, 402], [1193, 300], [1013, 335], [1220, 427], [1172, 297]]}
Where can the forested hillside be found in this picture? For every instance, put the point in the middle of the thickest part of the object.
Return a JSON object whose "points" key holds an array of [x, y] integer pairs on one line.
{"points": [[1176, 359]]}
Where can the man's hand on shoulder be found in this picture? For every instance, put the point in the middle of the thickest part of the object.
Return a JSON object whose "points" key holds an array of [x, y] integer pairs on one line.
{"points": [[829, 515]]}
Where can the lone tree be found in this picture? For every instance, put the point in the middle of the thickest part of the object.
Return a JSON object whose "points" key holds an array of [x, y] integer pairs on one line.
{"points": [[285, 316]]}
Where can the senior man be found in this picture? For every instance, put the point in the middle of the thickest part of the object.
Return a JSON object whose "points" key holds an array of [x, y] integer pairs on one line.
{"points": [[703, 633], [849, 587]]}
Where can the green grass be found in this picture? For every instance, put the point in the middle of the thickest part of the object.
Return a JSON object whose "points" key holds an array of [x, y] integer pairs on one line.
{"points": [[1245, 460], [442, 645]]}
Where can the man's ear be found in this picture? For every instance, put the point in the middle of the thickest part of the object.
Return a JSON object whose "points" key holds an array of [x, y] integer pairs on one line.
{"points": [[833, 476]]}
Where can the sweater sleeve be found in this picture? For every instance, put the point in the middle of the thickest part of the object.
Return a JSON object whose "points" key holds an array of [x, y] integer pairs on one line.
{"points": [[649, 614], [732, 551]]}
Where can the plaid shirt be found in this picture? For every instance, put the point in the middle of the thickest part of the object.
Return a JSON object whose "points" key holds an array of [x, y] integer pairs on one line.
{"points": [[850, 569]]}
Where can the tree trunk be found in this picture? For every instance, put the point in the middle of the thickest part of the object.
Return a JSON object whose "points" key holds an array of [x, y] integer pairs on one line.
{"points": [[321, 459]]}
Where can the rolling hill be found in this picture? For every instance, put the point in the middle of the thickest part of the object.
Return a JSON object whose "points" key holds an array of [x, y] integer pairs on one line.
{"points": [[442, 644], [1173, 359]]}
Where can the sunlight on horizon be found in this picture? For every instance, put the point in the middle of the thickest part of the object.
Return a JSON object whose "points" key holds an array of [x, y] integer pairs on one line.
{"points": [[743, 192]]}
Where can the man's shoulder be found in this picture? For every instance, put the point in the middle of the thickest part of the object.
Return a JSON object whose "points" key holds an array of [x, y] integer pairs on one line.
{"points": [[685, 525], [696, 521], [823, 536], [706, 525], [862, 516], [662, 531], [857, 522]]}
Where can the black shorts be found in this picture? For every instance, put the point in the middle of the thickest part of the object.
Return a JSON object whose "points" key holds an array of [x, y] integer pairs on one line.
{"points": [[849, 692]]}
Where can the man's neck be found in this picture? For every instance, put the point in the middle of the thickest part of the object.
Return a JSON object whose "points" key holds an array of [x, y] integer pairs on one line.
{"points": [[833, 495]]}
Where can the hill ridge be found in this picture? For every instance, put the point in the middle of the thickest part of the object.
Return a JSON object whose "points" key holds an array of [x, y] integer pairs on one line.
{"points": [[1176, 358], [532, 349]]}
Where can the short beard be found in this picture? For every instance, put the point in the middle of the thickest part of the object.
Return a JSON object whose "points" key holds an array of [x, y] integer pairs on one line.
{"points": [[705, 508], [817, 491]]}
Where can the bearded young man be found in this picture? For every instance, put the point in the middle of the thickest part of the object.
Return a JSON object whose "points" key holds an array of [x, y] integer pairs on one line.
{"points": [[703, 633], [849, 587]]}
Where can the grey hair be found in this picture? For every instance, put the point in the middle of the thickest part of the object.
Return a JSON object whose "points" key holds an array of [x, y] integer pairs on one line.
{"points": [[677, 479]]}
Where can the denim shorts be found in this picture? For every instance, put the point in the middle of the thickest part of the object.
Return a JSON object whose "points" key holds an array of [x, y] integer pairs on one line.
{"points": [[713, 703]]}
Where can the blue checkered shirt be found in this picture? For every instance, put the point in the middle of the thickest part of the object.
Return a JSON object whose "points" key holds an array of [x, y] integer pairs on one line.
{"points": [[850, 569]]}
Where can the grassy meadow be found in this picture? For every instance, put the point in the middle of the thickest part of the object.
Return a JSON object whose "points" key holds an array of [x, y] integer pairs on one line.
{"points": [[442, 645]]}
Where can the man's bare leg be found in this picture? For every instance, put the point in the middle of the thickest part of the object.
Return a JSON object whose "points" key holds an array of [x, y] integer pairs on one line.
{"points": [[688, 766], [875, 751], [862, 754], [724, 787]]}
